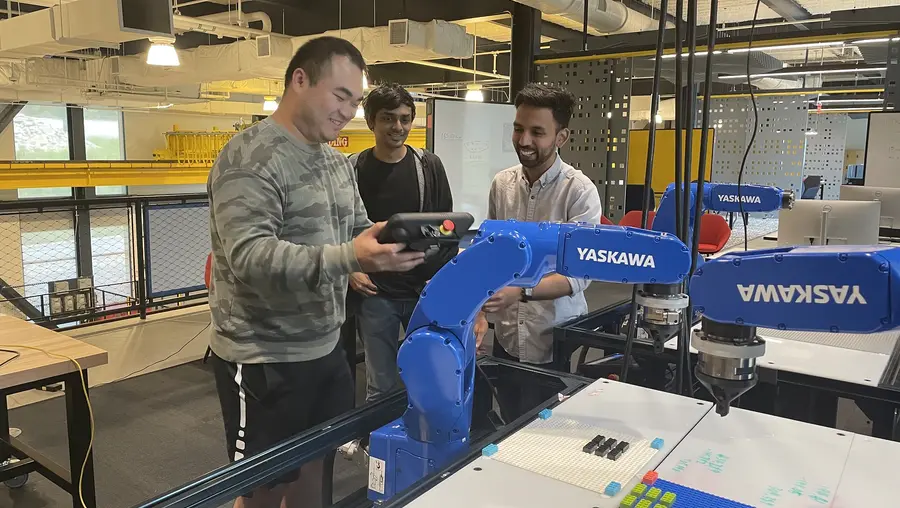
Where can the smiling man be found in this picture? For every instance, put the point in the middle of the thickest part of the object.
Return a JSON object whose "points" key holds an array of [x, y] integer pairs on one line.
{"points": [[542, 188], [288, 228], [393, 177]]}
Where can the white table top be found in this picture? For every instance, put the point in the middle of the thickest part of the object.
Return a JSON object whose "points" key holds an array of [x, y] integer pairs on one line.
{"points": [[764, 460], [869, 474], [761, 460], [615, 406], [819, 360]]}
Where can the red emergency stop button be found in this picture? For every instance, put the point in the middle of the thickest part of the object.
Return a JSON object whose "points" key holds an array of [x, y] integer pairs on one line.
{"points": [[447, 227]]}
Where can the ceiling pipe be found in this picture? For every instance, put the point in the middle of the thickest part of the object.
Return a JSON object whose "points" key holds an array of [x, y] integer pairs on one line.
{"points": [[189, 24], [242, 20], [607, 16]]}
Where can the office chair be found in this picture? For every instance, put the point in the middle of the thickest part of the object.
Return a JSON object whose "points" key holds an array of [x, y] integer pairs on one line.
{"points": [[812, 184]]}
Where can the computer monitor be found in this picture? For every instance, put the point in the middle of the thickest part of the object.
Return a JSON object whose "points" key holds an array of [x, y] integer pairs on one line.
{"points": [[888, 196], [829, 222]]}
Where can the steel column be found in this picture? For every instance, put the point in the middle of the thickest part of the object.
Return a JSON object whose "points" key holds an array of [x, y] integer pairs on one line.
{"points": [[526, 42]]}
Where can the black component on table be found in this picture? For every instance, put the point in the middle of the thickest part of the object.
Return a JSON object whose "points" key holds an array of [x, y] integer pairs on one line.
{"points": [[593, 444]]}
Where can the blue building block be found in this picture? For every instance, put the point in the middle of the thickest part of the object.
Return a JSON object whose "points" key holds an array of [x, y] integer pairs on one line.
{"points": [[489, 450], [545, 414], [657, 443], [690, 498], [612, 489]]}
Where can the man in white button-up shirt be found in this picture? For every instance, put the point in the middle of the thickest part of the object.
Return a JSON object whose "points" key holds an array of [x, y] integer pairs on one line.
{"points": [[541, 188]]}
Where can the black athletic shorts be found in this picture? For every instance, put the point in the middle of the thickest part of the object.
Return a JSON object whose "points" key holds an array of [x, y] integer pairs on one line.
{"points": [[266, 403]]}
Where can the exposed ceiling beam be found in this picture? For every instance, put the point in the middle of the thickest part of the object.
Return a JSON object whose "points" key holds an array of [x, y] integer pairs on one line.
{"points": [[548, 29], [649, 11], [790, 10], [458, 69]]}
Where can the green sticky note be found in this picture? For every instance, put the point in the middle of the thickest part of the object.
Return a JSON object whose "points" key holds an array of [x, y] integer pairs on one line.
{"points": [[628, 502], [639, 489], [654, 493], [644, 503], [668, 498]]}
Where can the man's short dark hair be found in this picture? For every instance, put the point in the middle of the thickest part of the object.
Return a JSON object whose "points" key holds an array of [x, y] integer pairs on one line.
{"points": [[559, 100], [387, 97], [314, 55]]}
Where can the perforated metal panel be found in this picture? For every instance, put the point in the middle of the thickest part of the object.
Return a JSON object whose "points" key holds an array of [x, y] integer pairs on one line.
{"points": [[729, 118], [599, 126], [777, 154], [825, 152]]}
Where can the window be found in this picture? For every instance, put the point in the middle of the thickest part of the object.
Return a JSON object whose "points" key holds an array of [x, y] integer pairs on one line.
{"points": [[42, 133], [48, 253], [48, 192], [103, 135], [111, 190]]}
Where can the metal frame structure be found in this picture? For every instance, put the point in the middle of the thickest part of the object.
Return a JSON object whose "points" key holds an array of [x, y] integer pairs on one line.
{"points": [[78, 423], [770, 394], [143, 302], [234, 479]]}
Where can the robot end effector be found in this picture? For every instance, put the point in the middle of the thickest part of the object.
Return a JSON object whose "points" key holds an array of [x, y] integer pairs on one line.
{"points": [[660, 305]]}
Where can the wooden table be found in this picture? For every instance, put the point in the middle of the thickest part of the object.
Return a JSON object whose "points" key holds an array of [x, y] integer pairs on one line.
{"points": [[33, 369]]}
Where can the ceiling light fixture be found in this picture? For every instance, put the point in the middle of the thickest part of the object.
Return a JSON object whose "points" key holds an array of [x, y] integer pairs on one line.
{"points": [[861, 110], [685, 55], [786, 46], [659, 118], [270, 103], [474, 93], [871, 41], [848, 101], [162, 52], [806, 73]]}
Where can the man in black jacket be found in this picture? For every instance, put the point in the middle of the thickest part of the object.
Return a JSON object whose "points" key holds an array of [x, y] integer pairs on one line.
{"points": [[394, 177]]}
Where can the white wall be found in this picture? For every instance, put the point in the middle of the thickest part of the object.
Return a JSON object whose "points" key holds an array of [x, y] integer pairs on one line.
{"points": [[144, 132], [856, 133]]}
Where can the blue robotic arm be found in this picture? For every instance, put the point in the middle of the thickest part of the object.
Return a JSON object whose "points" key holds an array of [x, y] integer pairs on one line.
{"points": [[830, 289], [437, 359], [722, 197]]}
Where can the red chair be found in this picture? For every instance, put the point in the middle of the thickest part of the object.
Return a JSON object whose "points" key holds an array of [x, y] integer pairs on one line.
{"points": [[714, 233], [605, 221], [633, 219], [208, 274]]}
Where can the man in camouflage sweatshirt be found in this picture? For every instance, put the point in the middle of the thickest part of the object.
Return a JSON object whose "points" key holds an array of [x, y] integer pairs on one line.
{"points": [[288, 227]]}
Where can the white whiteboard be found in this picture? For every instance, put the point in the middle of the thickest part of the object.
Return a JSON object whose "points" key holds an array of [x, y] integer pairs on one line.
{"points": [[883, 150], [474, 141]]}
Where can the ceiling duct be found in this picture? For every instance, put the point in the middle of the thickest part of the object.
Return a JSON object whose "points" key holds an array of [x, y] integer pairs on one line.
{"points": [[83, 24], [607, 16], [269, 56]]}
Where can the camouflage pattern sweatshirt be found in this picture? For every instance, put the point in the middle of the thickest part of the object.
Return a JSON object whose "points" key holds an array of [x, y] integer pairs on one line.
{"points": [[283, 215]]}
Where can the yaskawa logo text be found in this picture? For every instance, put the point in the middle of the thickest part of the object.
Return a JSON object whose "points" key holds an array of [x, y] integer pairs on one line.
{"points": [[796, 293], [616, 258], [733, 198]]}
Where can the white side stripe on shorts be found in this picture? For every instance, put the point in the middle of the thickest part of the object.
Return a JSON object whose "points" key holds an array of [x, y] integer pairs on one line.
{"points": [[239, 443]]}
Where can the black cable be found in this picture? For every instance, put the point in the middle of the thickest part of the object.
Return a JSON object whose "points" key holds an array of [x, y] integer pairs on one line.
{"points": [[166, 358], [679, 117], [691, 112], [648, 174], [755, 125], [15, 354], [704, 133], [679, 154]]}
